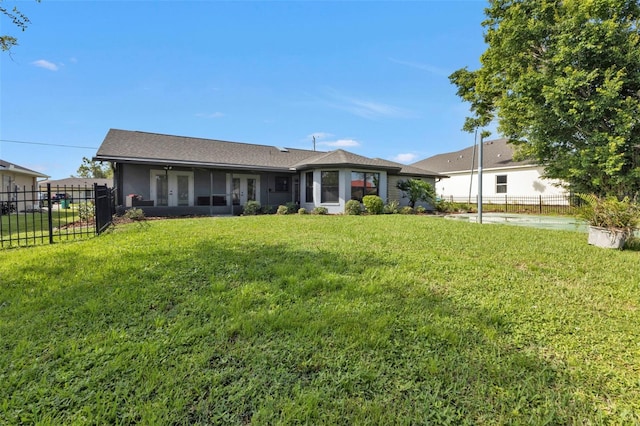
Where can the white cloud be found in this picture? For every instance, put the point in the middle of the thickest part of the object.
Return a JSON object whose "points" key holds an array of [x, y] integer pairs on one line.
{"points": [[341, 143], [366, 108], [43, 63], [210, 115], [404, 158], [424, 67]]}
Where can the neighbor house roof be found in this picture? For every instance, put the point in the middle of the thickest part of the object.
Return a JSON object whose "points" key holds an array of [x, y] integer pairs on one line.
{"points": [[5, 165], [495, 154], [153, 148], [74, 181]]}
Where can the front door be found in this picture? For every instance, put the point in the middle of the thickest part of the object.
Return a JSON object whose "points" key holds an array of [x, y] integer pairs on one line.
{"points": [[245, 188]]}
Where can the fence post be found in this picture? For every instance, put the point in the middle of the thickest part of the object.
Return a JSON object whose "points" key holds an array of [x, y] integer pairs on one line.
{"points": [[506, 204], [540, 203], [49, 213]]}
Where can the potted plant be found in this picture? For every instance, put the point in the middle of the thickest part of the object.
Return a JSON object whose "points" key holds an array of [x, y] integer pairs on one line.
{"points": [[611, 221]]}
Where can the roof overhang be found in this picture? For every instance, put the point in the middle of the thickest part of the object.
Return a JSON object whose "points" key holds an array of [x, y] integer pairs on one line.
{"points": [[349, 165], [199, 164]]}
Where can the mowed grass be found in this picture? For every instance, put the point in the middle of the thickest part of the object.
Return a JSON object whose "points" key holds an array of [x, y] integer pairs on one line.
{"points": [[32, 228], [320, 320]]}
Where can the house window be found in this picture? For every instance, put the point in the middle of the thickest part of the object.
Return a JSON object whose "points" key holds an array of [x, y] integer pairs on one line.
{"points": [[308, 186], [501, 184], [364, 184], [282, 184], [329, 187]]}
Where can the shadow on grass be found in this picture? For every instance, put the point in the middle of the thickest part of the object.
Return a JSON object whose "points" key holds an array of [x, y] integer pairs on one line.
{"points": [[211, 332]]}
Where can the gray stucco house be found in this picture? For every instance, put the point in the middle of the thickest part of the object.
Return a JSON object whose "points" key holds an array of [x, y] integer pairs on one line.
{"points": [[177, 175]]}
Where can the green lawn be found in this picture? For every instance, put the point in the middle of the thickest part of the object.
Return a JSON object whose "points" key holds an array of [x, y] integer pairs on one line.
{"points": [[32, 228], [320, 320]]}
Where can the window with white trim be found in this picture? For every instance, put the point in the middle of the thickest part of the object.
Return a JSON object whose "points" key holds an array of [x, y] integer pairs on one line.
{"points": [[501, 184]]}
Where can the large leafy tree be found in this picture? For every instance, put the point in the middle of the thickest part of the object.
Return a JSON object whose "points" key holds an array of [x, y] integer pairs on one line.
{"points": [[94, 169], [562, 77], [19, 19]]}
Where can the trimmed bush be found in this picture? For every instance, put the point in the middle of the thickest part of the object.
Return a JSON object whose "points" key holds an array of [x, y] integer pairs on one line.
{"points": [[353, 207], [320, 210], [421, 209], [302, 211], [373, 204], [392, 207], [134, 214], [444, 206], [407, 210], [291, 207], [252, 208], [282, 210], [268, 209]]}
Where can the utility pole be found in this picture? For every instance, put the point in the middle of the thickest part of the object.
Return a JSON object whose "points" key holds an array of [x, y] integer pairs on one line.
{"points": [[480, 178]]}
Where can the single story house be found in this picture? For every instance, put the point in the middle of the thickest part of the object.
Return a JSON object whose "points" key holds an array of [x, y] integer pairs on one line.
{"points": [[17, 183], [177, 175], [75, 187], [502, 174]]}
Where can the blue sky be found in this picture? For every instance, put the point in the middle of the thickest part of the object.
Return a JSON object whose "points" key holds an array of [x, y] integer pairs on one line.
{"points": [[368, 77]]}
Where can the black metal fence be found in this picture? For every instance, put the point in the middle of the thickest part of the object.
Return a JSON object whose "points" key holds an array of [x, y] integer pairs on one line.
{"points": [[45, 216], [541, 204]]}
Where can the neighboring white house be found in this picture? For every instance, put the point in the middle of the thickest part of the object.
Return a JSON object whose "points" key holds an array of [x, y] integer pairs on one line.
{"points": [[15, 181], [502, 175]]}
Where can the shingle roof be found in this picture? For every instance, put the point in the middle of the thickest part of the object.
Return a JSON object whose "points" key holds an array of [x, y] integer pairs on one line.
{"points": [[5, 165], [495, 154], [341, 157], [142, 147], [417, 171], [133, 146]]}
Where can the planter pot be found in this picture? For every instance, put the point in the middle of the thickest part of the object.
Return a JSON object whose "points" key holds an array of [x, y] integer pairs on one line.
{"points": [[607, 238]]}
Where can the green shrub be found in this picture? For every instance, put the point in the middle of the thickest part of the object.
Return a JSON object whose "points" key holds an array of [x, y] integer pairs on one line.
{"points": [[282, 210], [391, 207], [421, 209], [302, 211], [610, 212], [86, 211], [373, 204], [407, 210], [267, 209], [444, 206], [252, 208], [320, 210], [291, 207], [353, 207], [416, 190], [134, 214]]}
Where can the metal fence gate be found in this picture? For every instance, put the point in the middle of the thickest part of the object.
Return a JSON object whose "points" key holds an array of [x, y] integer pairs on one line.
{"points": [[34, 216]]}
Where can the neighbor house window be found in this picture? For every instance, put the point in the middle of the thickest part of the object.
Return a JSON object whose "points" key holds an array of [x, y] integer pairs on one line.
{"points": [[501, 184], [308, 186], [329, 187], [364, 184], [282, 184]]}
